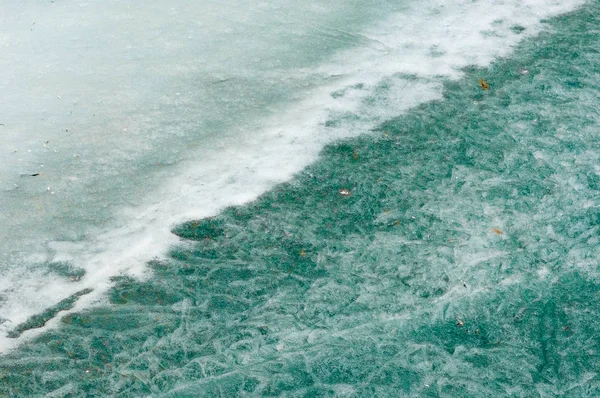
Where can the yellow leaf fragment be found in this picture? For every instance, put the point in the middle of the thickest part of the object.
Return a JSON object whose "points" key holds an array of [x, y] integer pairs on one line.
{"points": [[484, 84]]}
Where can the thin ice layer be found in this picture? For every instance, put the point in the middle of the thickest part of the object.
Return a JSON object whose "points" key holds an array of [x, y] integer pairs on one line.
{"points": [[388, 68], [460, 260]]}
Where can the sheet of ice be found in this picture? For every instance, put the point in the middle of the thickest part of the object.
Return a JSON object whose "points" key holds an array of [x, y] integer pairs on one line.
{"points": [[120, 120]]}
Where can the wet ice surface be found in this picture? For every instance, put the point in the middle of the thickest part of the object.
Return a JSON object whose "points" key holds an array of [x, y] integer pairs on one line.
{"points": [[451, 252], [175, 111]]}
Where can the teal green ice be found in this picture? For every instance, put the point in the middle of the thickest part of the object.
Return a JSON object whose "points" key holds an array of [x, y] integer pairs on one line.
{"points": [[452, 252]]}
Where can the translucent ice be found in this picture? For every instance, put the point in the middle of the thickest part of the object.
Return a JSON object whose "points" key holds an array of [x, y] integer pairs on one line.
{"points": [[121, 119], [452, 251]]}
